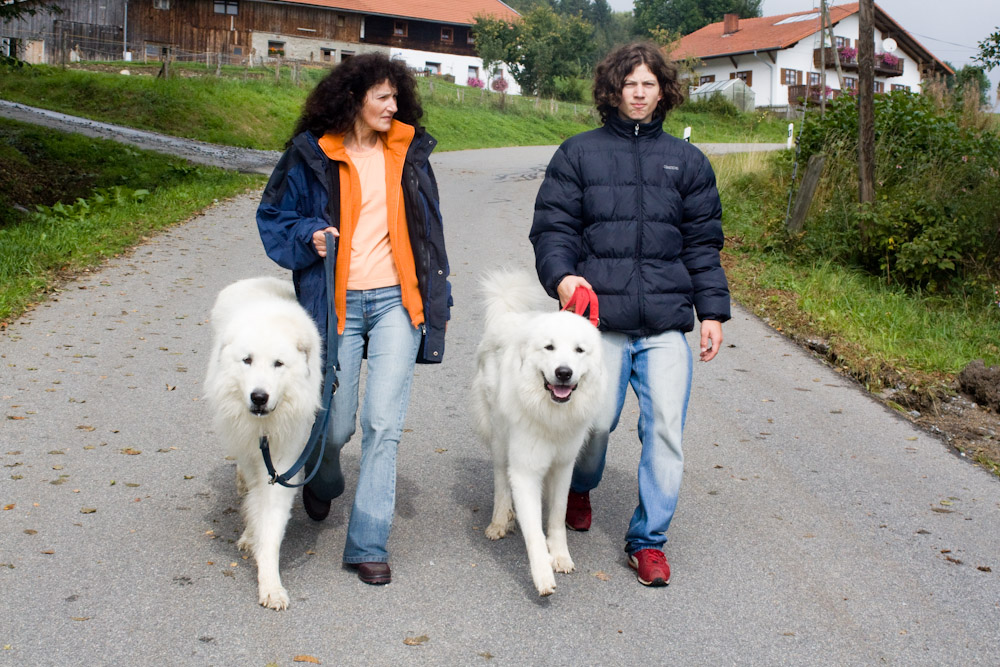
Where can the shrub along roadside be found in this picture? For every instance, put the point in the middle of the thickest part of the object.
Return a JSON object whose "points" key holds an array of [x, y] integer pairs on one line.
{"points": [[906, 345], [122, 202]]}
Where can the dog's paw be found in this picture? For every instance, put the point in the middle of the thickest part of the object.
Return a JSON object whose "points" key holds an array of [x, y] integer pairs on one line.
{"points": [[241, 483], [245, 543], [273, 598], [562, 563], [495, 531], [545, 582]]}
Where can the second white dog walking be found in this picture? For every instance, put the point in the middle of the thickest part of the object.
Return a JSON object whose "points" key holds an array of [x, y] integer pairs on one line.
{"points": [[539, 384]]}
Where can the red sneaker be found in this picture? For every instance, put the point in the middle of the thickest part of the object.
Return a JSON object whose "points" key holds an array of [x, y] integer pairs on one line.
{"points": [[578, 511], [651, 567]]}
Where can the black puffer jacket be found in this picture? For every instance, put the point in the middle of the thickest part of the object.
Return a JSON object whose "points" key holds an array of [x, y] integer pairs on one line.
{"points": [[636, 212]]}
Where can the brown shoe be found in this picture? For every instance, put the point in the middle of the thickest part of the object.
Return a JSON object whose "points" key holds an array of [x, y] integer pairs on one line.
{"points": [[375, 574]]}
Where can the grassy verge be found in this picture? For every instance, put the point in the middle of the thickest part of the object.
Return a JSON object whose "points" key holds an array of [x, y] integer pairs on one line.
{"points": [[119, 203], [907, 345], [259, 111]]}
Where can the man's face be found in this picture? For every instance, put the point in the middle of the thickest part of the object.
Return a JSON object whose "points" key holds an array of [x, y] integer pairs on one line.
{"points": [[640, 95]]}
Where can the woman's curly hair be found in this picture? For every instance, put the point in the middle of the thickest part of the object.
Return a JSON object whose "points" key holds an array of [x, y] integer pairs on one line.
{"points": [[337, 99], [609, 78]]}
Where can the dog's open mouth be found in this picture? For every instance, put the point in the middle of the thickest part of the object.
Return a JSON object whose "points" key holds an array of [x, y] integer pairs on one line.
{"points": [[259, 410], [560, 393]]}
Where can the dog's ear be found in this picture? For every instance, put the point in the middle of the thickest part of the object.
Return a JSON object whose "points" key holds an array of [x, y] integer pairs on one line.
{"points": [[304, 346]]}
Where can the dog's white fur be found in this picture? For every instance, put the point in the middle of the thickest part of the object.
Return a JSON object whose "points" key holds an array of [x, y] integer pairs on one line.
{"points": [[534, 438], [263, 378]]}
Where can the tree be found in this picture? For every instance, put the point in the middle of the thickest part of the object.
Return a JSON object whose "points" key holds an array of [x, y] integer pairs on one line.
{"points": [[10, 11], [989, 51], [536, 49], [686, 16], [972, 79]]}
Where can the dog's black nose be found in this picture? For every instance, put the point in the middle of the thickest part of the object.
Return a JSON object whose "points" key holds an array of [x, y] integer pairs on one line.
{"points": [[564, 373], [259, 397]]}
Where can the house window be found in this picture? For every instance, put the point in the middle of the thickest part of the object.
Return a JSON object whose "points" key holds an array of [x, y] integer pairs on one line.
{"points": [[473, 72], [746, 76], [791, 77], [850, 83], [399, 29], [161, 4], [708, 78], [346, 55], [341, 20], [899, 86], [841, 42], [470, 38], [237, 50], [447, 34], [879, 86], [227, 7], [327, 55], [815, 79], [275, 49], [432, 68]]}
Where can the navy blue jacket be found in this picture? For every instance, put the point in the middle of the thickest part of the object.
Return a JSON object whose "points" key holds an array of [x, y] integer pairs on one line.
{"points": [[296, 203], [636, 212]]}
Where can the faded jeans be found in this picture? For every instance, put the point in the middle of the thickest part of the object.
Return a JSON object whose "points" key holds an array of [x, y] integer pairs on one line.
{"points": [[659, 369], [379, 316]]}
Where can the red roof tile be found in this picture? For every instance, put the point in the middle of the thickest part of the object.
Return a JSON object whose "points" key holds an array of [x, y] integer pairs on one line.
{"points": [[462, 12]]}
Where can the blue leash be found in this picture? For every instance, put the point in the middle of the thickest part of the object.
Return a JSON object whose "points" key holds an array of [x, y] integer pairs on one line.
{"points": [[330, 384]]}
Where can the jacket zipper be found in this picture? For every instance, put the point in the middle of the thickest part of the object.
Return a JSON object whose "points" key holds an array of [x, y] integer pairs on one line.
{"points": [[638, 236]]}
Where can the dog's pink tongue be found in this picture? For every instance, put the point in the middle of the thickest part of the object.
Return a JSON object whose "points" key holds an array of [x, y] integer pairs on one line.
{"points": [[561, 390]]}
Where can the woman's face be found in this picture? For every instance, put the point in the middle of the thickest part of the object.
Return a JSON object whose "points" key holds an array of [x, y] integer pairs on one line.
{"points": [[379, 107]]}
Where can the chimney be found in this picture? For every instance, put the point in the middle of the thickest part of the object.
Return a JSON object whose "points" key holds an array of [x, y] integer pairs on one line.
{"points": [[730, 23]]}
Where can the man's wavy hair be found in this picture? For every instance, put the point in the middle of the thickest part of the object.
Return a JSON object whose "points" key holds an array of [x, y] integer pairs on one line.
{"points": [[609, 78], [337, 99]]}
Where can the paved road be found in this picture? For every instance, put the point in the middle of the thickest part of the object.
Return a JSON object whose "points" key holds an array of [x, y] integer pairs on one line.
{"points": [[814, 527]]}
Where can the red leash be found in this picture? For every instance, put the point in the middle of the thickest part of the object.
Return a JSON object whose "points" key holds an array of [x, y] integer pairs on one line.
{"points": [[582, 301]]}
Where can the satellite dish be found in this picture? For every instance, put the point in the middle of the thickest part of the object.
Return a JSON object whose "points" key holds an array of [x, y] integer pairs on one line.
{"points": [[889, 45]]}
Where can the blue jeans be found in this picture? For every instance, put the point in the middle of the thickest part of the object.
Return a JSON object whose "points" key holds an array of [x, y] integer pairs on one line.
{"points": [[659, 370], [378, 317]]}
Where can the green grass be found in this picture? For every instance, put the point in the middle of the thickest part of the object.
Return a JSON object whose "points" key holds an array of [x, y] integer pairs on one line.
{"points": [[260, 113], [870, 326], [36, 251]]}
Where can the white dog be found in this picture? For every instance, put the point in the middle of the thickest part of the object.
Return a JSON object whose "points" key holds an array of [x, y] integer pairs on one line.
{"points": [[538, 387], [264, 378]]}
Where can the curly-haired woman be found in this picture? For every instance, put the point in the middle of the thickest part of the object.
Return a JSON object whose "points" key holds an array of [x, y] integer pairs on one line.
{"points": [[633, 214], [357, 167]]}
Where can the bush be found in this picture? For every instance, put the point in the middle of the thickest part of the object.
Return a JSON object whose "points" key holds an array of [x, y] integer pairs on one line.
{"points": [[716, 105], [572, 89], [935, 222]]}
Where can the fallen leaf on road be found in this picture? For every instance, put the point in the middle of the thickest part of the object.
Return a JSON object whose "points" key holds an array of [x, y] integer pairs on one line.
{"points": [[84, 427], [87, 510], [306, 658], [80, 618], [30, 531], [440, 451], [131, 452], [416, 641], [984, 568], [10, 507], [603, 576], [48, 552], [941, 510], [15, 417]]}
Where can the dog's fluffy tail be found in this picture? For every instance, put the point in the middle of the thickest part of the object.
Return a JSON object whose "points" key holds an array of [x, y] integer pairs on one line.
{"points": [[513, 291]]}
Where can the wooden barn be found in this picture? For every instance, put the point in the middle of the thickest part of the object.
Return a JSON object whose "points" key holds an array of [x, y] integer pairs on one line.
{"points": [[434, 36]]}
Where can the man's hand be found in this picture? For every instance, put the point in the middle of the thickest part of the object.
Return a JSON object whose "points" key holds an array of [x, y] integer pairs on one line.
{"points": [[711, 339], [568, 285], [319, 240]]}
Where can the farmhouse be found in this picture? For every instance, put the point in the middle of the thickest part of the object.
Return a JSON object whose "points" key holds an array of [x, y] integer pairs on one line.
{"points": [[785, 60], [432, 36]]}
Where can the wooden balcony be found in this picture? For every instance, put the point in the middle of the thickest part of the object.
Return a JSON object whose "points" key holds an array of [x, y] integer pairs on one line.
{"points": [[851, 64], [806, 95]]}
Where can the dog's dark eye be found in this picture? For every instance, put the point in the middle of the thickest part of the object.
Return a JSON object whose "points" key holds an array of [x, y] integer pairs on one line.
{"points": [[279, 364], [579, 350], [550, 347], [248, 360]]}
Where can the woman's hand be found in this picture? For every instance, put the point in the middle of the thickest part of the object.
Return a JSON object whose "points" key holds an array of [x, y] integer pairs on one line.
{"points": [[567, 286], [319, 240]]}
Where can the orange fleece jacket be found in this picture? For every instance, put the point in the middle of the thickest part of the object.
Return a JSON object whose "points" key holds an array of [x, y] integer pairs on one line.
{"points": [[397, 141]]}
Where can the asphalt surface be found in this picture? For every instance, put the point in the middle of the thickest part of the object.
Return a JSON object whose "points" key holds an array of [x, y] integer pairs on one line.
{"points": [[814, 527]]}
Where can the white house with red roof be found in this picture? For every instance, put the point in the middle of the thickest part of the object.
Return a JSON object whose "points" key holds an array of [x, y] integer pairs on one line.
{"points": [[783, 58]]}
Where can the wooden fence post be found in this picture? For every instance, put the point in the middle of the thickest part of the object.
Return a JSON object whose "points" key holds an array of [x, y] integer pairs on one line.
{"points": [[806, 192]]}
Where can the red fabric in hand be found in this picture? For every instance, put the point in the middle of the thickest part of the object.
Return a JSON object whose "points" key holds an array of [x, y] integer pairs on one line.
{"points": [[582, 301]]}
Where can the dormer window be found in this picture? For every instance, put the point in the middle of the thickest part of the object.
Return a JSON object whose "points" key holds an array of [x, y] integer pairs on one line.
{"points": [[447, 34], [399, 29]]}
